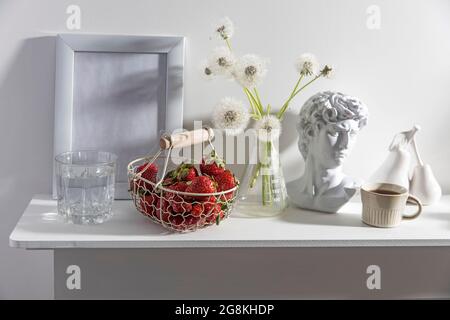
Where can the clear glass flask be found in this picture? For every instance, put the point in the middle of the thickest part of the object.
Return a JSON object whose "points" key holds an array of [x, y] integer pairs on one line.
{"points": [[263, 188]]}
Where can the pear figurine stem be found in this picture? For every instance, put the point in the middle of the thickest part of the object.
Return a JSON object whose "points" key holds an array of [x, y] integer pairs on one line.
{"points": [[404, 138]]}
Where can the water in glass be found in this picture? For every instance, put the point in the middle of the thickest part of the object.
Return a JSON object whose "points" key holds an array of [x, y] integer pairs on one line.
{"points": [[85, 186]]}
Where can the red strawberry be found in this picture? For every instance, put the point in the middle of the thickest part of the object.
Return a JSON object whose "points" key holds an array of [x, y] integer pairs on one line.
{"points": [[226, 181], [212, 199], [211, 218], [181, 207], [190, 221], [210, 169], [177, 186], [148, 172], [163, 208], [216, 216], [165, 216], [187, 172], [211, 208], [176, 201], [176, 220], [147, 204], [201, 184], [209, 205], [184, 172], [197, 210], [213, 165]]}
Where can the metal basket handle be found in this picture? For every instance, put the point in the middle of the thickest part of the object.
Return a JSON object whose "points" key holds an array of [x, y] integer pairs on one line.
{"points": [[186, 138]]}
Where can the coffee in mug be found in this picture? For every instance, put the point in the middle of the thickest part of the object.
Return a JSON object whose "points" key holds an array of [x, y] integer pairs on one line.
{"points": [[384, 204]]}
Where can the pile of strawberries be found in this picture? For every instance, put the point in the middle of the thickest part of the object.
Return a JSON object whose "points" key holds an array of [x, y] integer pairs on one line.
{"points": [[182, 211]]}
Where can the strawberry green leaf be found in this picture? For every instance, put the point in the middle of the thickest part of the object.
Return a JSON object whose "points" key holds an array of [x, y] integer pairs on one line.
{"points": [[218, 219]]}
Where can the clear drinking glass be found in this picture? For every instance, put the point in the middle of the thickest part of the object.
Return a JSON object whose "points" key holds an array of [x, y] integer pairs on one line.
{"points": [[85, 185]]}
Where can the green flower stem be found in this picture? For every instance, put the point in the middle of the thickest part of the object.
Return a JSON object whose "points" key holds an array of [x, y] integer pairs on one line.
{"points": [[255, 102], [286, 104], [269, 151], [267, 177], [258, 98], [255, 175], [307, 84], [263, 191], [269, 195], [255, 109], [266, 183], [228, 44], [297, 84]]}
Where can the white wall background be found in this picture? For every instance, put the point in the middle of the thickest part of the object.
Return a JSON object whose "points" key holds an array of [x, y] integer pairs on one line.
{"points": [[402, 72]]}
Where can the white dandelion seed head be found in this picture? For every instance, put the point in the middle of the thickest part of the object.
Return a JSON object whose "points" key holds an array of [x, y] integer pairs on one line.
{"points": [[230, 115], [206, 71], [222, 61], [250, 70], [268, 128], [328, 71], [224, 30], [307, 64]]}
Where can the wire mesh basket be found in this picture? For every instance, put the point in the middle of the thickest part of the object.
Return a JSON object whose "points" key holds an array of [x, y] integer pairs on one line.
{"points": [[165, 204]]}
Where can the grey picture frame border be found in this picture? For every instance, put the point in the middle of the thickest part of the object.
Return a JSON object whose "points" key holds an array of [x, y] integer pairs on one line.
{"points": [[66, 47]]}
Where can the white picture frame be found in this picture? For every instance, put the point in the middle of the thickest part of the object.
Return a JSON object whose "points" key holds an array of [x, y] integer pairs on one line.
{"points": [[75, 51]]}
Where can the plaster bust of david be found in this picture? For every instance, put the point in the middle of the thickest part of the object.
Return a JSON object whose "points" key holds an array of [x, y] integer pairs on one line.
{"points": [[327, 126]]}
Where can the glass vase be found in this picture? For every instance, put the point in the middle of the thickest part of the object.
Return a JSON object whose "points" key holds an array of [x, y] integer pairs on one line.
{"points": [[263, 188]]}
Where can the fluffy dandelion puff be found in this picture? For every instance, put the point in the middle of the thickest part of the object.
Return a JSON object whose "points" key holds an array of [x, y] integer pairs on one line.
{"points": [[224, 30], [221, 61], [250, 70], [307, 64], [268, 128], [230, 115]]}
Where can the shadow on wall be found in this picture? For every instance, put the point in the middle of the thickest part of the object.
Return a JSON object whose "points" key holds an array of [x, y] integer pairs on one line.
{"points": [[293, 164], [26, 136], [27, 99]]}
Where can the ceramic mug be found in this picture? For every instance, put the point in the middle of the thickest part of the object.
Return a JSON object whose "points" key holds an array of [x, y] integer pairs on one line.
{"points": [[384, 204]]}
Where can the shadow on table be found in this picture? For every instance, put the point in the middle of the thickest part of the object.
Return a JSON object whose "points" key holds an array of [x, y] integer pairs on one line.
{"points": [[309, 217], [441, 215], [130, 223]]}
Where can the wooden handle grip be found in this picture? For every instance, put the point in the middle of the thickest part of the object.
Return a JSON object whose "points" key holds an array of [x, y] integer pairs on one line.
{"points": [[187, 138]]}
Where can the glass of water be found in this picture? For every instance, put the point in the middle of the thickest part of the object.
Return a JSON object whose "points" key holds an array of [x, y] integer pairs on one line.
{"points": [[85, 185]]}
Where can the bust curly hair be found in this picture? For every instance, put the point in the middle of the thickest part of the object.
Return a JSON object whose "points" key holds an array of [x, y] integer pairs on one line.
{"points": [[325, 108]]}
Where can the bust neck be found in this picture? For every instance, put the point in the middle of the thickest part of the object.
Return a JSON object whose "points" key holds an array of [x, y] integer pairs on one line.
{"points": [[318, 179]]}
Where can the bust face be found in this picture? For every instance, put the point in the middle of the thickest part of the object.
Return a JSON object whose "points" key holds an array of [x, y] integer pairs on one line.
{"points": [[331, 145]]}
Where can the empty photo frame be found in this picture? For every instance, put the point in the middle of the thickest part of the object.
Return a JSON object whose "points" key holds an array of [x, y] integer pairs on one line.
{"points": [[117, 93]]}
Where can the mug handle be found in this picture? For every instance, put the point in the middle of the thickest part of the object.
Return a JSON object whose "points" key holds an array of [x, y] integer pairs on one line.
{"points": [[419, 211]]}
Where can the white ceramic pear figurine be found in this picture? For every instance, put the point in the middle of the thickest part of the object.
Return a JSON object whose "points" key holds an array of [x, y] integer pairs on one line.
{"points": [[423, 184], [395, 169]]}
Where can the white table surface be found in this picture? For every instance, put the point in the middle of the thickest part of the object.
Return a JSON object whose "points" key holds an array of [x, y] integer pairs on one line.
{"points": [[41, 228]]}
